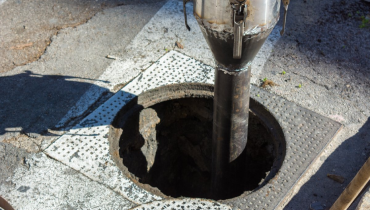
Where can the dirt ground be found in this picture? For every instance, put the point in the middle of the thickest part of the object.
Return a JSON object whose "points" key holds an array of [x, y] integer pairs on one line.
{"points": [[25, 37]]}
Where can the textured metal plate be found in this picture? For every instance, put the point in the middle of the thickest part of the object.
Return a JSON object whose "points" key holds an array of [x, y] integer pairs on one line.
{"points": [[85, 148], [186, 203]]}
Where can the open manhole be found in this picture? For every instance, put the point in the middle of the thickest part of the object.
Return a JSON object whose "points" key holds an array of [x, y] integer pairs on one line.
{"points": [[162, 141], [298, 138]]}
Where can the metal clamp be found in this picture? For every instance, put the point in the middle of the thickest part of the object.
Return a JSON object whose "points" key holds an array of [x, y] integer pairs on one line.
{"points": [[239, 19], [286, 4], [186, 18]]}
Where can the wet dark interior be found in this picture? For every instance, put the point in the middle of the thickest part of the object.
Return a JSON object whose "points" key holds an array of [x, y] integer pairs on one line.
{"points": [[168, 146]]}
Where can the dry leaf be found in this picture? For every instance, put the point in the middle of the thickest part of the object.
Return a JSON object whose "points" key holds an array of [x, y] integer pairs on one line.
{"points": [[179, 45], [21, 46], [269, 82], [336, 178]]}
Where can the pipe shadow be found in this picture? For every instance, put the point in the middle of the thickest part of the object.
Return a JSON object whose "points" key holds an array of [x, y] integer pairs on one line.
{"points": [[34, 103]]}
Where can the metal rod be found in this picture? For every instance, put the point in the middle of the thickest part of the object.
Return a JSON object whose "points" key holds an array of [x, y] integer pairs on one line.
{"points": [[5, 205], [354, 188], [230, 123]]}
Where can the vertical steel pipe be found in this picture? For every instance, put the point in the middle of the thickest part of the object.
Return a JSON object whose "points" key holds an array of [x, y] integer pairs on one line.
{"points": [[235, 31], [230, 123]]}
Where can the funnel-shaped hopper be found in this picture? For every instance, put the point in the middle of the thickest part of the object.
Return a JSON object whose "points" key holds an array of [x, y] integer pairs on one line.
{"points": [[222, 48], [226, 22]]}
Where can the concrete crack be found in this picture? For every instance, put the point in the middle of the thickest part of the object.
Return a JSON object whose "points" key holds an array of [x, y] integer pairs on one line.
{"points": [[311, 80], [55, 31]]}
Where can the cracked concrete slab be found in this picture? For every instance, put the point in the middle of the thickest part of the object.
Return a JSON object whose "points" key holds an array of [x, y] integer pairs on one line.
{"points": [[43, 183], [26, 27], [10, 158]]}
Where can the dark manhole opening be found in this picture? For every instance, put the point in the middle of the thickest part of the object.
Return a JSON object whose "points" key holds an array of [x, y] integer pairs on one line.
{"points": [[167, 146]]}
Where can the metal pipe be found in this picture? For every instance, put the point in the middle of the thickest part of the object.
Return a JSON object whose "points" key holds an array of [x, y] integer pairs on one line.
{"points": [[5, 205], [235, 31], [354, 188], [230, 123]]}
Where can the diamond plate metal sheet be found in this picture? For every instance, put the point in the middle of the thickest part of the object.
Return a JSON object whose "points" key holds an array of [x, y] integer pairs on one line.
{"points": [[306, 134], [85, 148], [186, 203]]}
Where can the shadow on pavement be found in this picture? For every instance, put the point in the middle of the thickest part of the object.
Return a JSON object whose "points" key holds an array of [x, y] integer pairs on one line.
{"points": [[33, 103], [355, 150], [329, 30]]}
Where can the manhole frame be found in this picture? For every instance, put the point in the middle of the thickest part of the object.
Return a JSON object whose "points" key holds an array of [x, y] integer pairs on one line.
{"points": [[182, 91], [85, 148]]}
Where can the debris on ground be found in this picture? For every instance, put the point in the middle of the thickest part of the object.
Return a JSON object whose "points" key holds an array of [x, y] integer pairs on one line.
{"points": [[179, 45], [316, 206], [268, 82], [338, 118], [336, 178], [21, 46], [111, 57], [24, 142]]}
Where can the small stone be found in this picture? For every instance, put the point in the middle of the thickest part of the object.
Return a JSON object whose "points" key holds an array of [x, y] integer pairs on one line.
{"points": [[316, 206], [336, 178], [111, 57], [23, 188]]}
